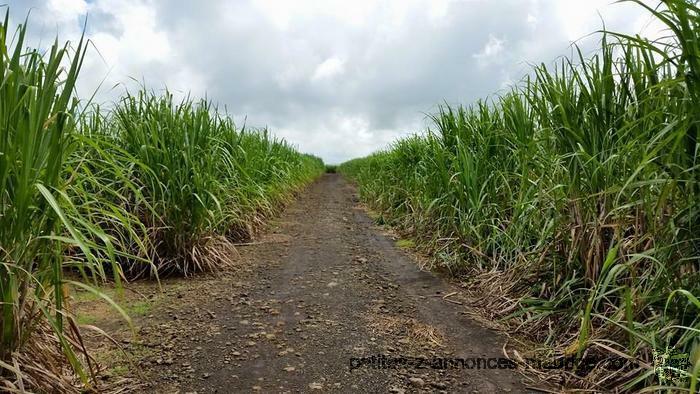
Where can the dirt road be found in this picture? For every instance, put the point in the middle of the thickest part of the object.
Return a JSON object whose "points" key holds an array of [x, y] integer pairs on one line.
{"points": [[318, 295]]}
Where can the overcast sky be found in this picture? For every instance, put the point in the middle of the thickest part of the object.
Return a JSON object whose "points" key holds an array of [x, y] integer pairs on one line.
{"points": [[339, 79]]}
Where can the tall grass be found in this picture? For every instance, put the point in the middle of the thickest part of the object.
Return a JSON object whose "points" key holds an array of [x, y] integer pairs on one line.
{"points": [[572, 198], [200, 183], [37, 118], [151, 187]]}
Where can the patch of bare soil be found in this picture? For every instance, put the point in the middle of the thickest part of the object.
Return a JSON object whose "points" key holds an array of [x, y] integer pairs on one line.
{"points": [[312, 301]]}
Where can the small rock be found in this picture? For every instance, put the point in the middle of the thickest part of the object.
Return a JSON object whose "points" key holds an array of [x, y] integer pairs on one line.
{"points": [[417, 382], [315, 386]]}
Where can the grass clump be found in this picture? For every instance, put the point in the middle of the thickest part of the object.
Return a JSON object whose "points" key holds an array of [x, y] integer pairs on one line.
{"points": [[574, 199], [405, 244]]}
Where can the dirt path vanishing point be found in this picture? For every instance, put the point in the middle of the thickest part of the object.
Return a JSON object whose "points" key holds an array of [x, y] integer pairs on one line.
{"points": [[321, 290]]}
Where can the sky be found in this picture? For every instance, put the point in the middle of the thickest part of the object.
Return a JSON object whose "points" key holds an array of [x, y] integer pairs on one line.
{"points": [[338, 79]]}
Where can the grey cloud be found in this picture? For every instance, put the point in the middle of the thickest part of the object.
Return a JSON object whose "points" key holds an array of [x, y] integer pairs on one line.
{"points": [[383, 72]]}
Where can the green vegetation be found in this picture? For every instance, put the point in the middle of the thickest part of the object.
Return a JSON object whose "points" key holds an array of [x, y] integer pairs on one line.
{"points": [[38, 117], [152, 186], [405, 243], [572, 200], [192, 181]]}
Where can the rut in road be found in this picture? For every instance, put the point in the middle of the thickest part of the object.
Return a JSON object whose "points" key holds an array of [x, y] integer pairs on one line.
{"points": [[322, 287]]}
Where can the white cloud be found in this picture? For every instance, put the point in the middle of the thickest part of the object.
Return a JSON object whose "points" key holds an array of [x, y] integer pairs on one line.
{"points": [[285, 14], [330, 68], [61, 11], [532, 20], [491, 52]]}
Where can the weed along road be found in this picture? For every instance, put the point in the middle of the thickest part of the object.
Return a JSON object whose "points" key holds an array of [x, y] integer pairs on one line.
{"points": [[313, 300]]}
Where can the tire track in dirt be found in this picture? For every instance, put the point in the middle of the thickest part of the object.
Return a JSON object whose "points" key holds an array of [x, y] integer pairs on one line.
{"points": [[322, 287]]}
